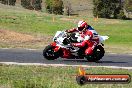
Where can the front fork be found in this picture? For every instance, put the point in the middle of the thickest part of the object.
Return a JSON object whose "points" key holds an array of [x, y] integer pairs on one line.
{"points": [[56, 48], [64, 53]]}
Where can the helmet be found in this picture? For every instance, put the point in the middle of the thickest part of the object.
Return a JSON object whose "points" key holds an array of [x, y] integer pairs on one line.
{"points": [[82, 25]]}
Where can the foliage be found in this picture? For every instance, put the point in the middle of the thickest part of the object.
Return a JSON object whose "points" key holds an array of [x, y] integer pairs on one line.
{"points": [[108, 9], [32, 4], [54, 6], [25, 3], [128, 5], [121, 15], [8, 2]]}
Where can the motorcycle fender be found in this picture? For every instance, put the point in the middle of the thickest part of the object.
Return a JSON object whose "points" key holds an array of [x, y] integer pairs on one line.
{"points": [[56, 48]]}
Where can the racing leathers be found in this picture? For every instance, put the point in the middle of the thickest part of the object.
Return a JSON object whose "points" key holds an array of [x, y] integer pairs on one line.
{"points": [[91, 39]]}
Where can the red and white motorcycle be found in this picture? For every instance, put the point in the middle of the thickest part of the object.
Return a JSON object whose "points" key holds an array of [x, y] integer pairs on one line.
{"points": [[61, 47]]}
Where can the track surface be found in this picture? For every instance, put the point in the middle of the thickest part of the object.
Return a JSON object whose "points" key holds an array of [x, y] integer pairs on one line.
{"points": [[35, 56]]}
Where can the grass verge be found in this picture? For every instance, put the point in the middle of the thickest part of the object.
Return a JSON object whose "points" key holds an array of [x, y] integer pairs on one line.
{"points": [[12, 76]]}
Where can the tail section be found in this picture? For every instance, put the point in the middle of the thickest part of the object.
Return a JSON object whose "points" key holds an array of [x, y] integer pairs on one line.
{"points": [[103, 38]]}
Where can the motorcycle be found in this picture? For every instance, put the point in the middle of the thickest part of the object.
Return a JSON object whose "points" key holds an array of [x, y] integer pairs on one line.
{"points": [[61, 47]]}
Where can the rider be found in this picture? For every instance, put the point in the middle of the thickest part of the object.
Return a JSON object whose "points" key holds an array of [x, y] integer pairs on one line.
{"points": [[90, 37]]}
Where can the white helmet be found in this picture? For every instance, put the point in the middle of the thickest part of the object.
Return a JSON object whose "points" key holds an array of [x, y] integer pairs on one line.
{"points": [[82, 25]]}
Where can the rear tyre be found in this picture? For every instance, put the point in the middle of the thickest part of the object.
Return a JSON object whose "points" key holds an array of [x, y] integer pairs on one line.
{"points": [[97, 54], [49, 53]]}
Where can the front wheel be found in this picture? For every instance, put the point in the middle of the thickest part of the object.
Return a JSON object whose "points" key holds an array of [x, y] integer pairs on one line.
{"points": [[97, 54], [49, 53]]}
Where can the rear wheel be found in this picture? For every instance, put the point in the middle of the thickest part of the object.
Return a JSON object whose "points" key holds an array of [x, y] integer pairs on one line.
{"points": [[49, 53], [97, 54]]}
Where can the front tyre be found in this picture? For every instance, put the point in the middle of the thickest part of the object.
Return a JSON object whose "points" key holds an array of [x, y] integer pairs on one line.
{"points": [[97, 54], [49, 53]]}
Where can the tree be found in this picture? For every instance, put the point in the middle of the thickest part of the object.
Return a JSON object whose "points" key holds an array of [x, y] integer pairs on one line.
{"points": [[8, 2], [54, 6], [25, 3], [103, 8], [32, 4], [128, 5], [108, 9]]}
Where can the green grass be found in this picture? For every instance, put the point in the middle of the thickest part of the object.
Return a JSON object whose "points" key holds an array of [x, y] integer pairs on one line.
{"points": [[12, 76], [35, 23], [31, 22]]}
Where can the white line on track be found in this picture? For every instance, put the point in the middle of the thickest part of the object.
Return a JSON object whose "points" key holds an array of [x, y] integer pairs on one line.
{"points": [[61, 65]]}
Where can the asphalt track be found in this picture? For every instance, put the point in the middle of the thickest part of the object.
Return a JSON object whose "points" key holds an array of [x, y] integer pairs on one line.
{"points": [[35, 56]]}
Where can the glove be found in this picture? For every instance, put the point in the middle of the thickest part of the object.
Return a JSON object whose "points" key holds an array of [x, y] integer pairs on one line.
{"points": [[87, 37], [73, 44]]}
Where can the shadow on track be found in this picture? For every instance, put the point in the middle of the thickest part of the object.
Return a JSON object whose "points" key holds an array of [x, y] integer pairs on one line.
{"points": [[109, 62], [85, 61]]}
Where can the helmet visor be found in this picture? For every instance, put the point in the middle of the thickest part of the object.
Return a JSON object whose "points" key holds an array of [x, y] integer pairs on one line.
{"points": [[80, 28]]}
